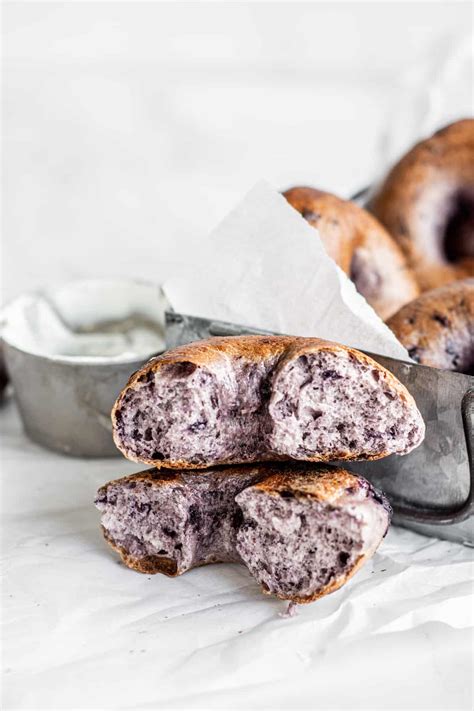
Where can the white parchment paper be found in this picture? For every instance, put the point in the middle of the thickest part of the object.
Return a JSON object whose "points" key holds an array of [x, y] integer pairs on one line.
{"points": [[264, 266], [81, 631]]}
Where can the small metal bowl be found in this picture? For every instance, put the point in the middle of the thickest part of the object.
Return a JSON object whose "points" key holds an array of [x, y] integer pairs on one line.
{"points": [[69, 351]]}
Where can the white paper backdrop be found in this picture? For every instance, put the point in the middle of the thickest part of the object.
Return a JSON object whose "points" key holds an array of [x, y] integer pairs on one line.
{"points": [[132, 128]]}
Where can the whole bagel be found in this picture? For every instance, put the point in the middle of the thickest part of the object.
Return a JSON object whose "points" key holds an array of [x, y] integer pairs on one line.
{"points": [[427, 204], [437, 329], [360, 246]]}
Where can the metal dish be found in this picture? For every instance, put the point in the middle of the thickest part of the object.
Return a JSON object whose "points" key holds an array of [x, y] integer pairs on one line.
{"points": [[67, 372]]}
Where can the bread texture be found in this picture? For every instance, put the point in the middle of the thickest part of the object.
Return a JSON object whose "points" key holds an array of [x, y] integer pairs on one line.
{"points": [[426, 202], [361, 246], [437, 329], [301, 530], [256, 398]]}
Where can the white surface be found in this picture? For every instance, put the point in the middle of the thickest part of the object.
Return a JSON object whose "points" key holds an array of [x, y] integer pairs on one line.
{"points": [[264, 267], [130, 130], [84, 632]]}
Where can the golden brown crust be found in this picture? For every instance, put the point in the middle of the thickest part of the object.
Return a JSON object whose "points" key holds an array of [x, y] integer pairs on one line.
{"points": [[326, 485], [149, 564], [155, 477], [323, 482], [406, 201], [253, 349], [437, 329], [353, 237]]}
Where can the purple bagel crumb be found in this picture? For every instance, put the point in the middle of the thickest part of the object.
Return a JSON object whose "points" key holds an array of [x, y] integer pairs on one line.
{"points": [[297, 546], [293, 544], [190, 520], [321, 404]]}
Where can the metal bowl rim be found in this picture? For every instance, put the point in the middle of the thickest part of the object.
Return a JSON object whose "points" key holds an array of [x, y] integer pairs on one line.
{"points": [[83, 361]]}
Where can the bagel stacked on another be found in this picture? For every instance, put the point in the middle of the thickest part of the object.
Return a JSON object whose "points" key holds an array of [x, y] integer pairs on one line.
{"points": [[207, 415], [301, 529]]}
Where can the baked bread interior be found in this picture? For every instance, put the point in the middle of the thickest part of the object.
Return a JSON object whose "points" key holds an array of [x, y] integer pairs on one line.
{"points": [[301, 530], [255, 398]]}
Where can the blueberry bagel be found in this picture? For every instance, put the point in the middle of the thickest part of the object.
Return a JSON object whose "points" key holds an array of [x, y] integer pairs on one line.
{"points": [[302, 531], [361, 246], [254, 398], [437, 329], [427, 204]]}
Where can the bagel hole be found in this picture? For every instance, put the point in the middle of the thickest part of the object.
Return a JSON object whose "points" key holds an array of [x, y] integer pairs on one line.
{"points": [[458, 239]]}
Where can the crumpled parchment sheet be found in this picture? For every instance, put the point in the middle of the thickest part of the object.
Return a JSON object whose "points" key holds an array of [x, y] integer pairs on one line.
{"points": [[83, 632]]}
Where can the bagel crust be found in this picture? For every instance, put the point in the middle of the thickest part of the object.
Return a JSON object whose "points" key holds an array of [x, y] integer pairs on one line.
{"points": [[427, 204], [361, 246], [255, 398], [437, 329], [301, 530]]}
